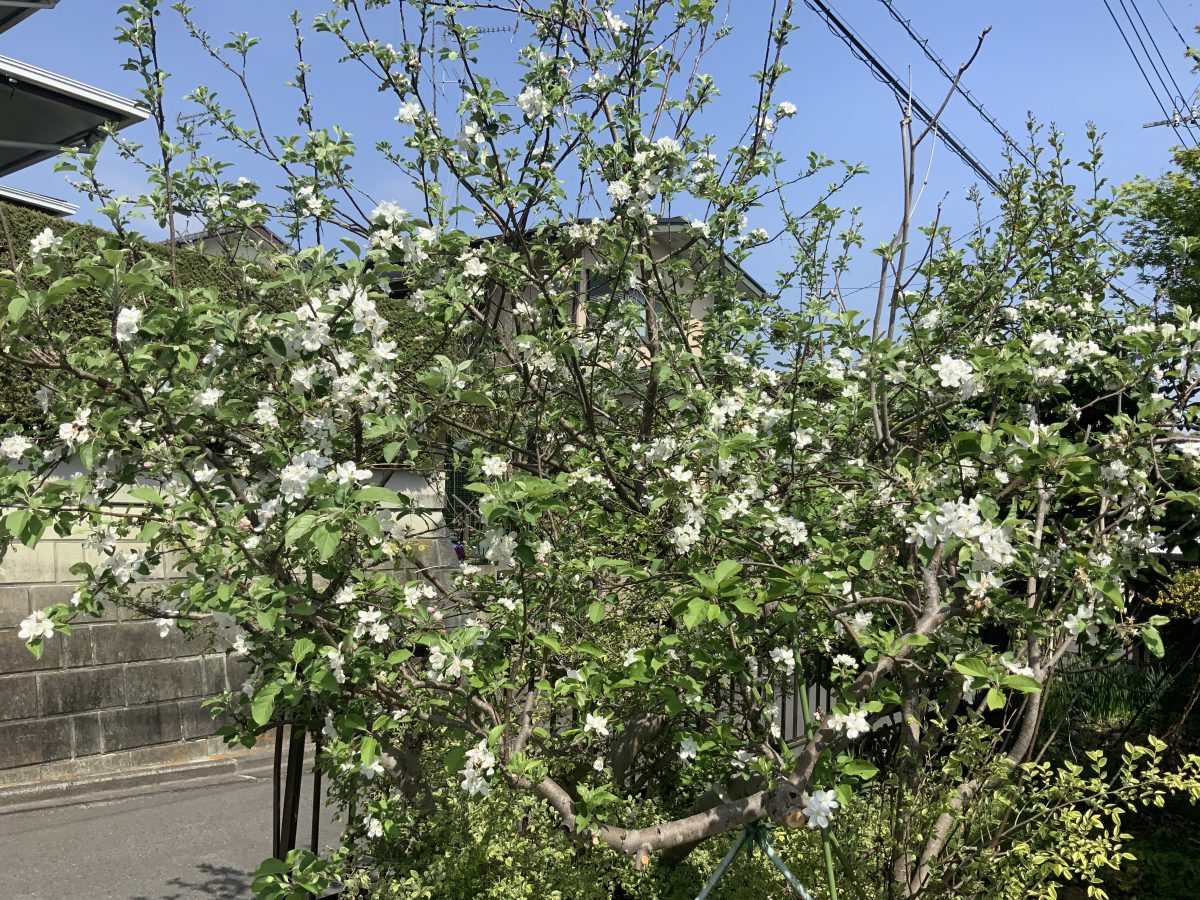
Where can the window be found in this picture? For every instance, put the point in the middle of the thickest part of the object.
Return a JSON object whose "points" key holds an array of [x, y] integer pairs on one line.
{"points": [[602, 302]]}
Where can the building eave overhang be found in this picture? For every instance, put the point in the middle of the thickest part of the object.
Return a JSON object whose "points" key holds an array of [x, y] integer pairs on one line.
{"points": [[51, 205], [13, 12], [43, 112]]}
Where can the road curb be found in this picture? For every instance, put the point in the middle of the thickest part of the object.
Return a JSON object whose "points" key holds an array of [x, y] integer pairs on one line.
{"points": [[20, 798]]}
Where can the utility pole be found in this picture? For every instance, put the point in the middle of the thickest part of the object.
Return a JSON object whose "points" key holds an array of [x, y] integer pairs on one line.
{"points": [[1192, 117]]}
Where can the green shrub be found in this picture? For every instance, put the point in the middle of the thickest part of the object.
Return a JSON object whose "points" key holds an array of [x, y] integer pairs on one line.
{"points": [[511, 849]]}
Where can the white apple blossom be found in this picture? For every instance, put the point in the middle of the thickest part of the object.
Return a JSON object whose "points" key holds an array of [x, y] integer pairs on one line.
{"points": [[955, 373], [596, 724], [533, 103], [14, 446], [348, 472], [36, 625], [614, 23], [409, 112], [494, 467], [473, 265], [619, 192], [785, 657], [44, 242], [209, 397], [1044, 342], [127, 324], [498, 547], [294, 480], [388, 213], [242, 646], [688, 748], [819, 807]]}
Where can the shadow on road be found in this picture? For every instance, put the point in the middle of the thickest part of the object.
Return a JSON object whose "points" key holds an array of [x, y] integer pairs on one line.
{"points": [[219, 882]]}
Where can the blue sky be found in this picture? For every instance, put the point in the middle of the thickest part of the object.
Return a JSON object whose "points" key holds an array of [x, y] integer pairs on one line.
{"points": [[1062, 60]]}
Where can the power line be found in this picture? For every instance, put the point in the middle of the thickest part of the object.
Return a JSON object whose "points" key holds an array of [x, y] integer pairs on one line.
{"points": [[1178, 91], [1171, 21], [978, 106], [1145, 77], [864, 53], [1158, 50], [923, 43]]}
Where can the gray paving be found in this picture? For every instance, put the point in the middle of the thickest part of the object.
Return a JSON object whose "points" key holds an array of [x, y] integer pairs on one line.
{"points": [[183, 841]]}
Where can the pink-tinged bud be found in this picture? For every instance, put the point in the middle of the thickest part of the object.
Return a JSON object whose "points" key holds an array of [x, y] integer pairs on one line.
{"points": [[146, 464], [244, 523]]}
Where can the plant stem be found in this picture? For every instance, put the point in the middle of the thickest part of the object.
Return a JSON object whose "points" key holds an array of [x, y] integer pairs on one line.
{"points": [[806, 713], [830, 875]]}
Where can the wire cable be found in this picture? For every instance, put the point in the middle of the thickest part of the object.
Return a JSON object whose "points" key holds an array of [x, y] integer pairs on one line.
{"points": [[880, 70], [978, 106], [1171, 21], [1145, 77], [1178, 96], [1188, 106]]}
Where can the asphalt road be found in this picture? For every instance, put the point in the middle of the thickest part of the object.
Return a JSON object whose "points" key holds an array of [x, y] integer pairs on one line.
{"points": [[183, 841]]}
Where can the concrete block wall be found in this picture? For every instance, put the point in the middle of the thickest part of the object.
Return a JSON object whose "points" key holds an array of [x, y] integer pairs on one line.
{"points": [[110, 696], [113, 695]]}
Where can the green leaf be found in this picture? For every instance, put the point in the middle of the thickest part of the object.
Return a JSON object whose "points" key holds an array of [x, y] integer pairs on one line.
{"points": [[16, 521], [973, 667], [476, 399], [694, 614], [17, 307], [995, 698], [860, 768], [301, 649], [595, 612], [326, 540], [374, 493], [726, 569], [454, 759], [913, 640], [1022, 683], [146, 495], [746, 605], [866, 562], [370, 750], [1153, 640], [548, 641], [263, 705], [299, 527], [272, 867]]}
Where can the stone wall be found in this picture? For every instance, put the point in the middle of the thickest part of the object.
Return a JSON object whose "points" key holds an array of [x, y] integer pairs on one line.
{"points": [[111, 695]]}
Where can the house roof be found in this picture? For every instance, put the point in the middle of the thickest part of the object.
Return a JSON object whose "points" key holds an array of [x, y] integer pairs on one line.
{"points": [[14, 11], [40, 202], [675, 224], [42, 112], [261, 232]]}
